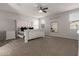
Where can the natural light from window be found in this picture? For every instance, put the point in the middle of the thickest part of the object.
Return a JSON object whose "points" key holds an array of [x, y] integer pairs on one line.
{"points": [[42, 21], [74, 16], [74, 25], [74, 20], [36, 24]]}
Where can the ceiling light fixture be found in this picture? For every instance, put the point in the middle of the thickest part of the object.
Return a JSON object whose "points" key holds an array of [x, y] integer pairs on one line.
{"points": [[78, 31], [40, 11]]}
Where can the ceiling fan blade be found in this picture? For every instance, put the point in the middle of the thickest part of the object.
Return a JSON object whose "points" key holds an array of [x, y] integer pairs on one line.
{"points": [[45, 11], [45, 8]]}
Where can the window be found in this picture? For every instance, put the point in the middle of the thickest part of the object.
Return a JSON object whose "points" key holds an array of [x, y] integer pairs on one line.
{"points": [[74, 16], [74, 25], [42, 23], [36, 24]]}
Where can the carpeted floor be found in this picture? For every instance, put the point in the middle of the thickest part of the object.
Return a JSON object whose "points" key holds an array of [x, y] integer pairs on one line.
{"points": [[48, 46]]}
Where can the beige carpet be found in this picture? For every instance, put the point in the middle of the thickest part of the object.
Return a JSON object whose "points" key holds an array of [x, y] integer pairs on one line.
{"points": [[48, 46]]}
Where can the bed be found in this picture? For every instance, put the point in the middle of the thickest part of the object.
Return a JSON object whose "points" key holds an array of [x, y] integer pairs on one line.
{"points": [[32, 34]]}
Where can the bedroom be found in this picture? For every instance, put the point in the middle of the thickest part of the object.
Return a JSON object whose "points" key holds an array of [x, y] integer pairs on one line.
{"points": [[50, 25]]}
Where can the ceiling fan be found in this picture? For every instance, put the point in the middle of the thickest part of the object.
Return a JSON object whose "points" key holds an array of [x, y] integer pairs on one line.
{"points": [[43, 9]]}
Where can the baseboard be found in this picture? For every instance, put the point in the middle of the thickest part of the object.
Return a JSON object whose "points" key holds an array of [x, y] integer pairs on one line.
{"points": [[61, 37]]}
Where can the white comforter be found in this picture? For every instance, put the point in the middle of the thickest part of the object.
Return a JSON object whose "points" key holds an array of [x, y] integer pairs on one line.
{"points": [[31, 34]]}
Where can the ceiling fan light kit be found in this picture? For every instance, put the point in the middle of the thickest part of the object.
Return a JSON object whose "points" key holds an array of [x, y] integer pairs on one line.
{"points": [[40, 11]]}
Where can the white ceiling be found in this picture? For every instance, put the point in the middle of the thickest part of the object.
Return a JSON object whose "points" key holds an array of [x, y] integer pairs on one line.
{"points": [[6, 7], [30, 9]]}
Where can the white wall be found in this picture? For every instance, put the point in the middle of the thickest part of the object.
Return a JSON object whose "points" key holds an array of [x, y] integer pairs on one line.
{"points": [[63, 26], [7, 21], [25, 22]]}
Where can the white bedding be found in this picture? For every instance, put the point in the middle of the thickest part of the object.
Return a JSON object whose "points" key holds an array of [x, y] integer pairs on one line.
{"points": [[31, 34]]}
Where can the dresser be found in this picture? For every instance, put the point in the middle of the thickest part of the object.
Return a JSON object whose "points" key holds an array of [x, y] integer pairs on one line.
{"points": [[10, 35]]}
